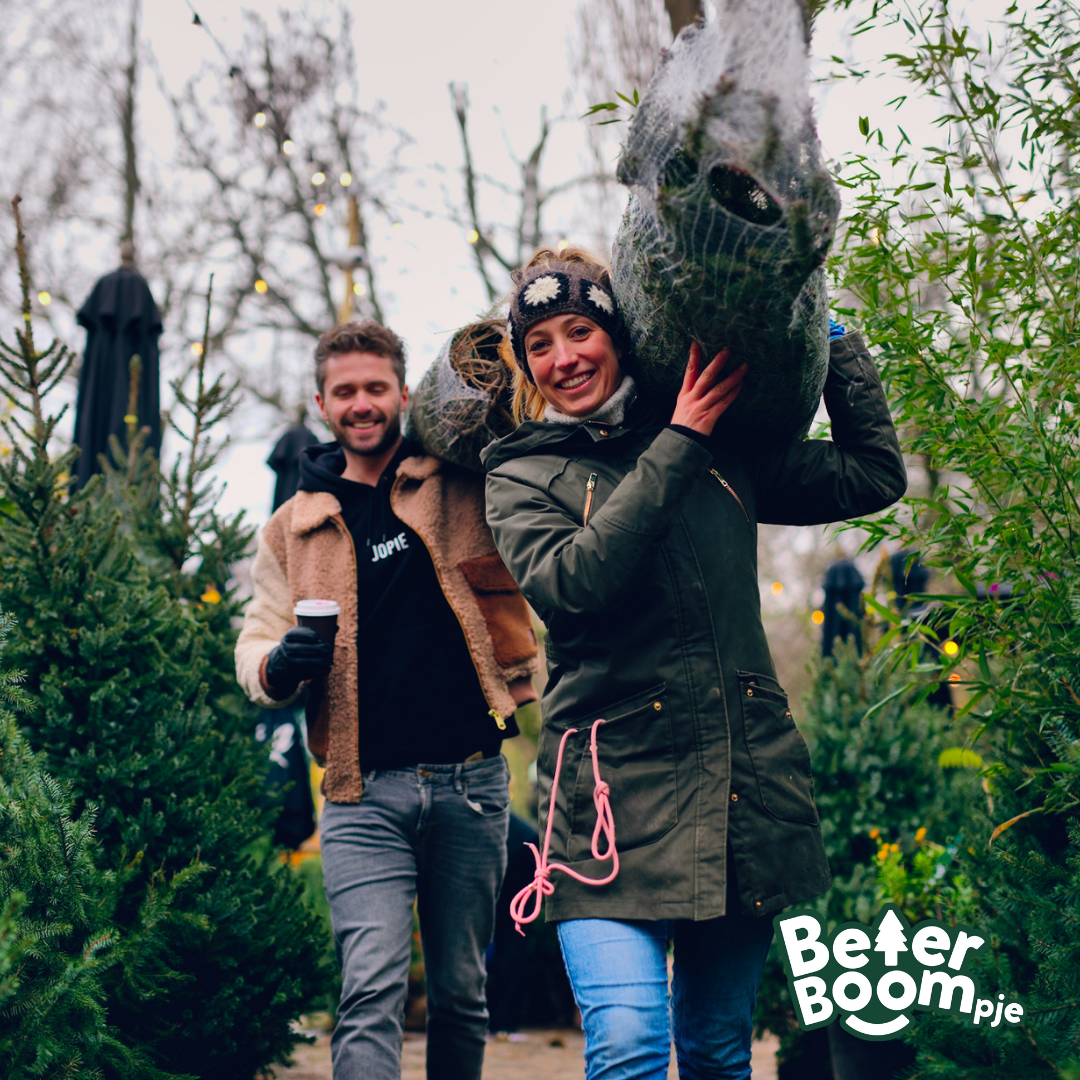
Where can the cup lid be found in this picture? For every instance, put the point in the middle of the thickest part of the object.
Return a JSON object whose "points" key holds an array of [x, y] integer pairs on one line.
{"points": [[311, 608]]}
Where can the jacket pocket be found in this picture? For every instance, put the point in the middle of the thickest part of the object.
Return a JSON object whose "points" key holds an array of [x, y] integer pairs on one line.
{"points": [[636, 753], [777, 750], [505, 613]]}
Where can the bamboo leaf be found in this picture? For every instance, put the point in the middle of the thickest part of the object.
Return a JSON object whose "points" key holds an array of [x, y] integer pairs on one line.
{"points": [[1011, 822], [890, 615]]}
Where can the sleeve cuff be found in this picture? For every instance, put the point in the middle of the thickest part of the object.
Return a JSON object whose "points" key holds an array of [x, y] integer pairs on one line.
{"points": [[690, 433]]}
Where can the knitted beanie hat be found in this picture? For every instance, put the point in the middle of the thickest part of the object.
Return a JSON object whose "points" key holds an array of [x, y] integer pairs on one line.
{"points": [[560, 289]]}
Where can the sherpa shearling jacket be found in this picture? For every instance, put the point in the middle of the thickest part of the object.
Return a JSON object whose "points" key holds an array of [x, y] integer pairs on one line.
{"points": [[305, 552]]}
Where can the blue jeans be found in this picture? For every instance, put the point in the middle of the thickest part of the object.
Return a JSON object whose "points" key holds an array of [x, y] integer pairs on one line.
{"points": [[618, 971], [437, 834]]}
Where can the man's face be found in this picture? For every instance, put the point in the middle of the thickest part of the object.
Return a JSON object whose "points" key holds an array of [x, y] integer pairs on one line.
{"points": [[361, 401]]}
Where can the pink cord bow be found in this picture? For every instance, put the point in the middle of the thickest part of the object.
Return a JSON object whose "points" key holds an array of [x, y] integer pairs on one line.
{"points": [[541, 886]]}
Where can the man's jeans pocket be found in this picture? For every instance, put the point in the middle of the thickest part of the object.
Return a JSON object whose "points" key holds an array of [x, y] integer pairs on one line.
{"points": [[486, 787]]}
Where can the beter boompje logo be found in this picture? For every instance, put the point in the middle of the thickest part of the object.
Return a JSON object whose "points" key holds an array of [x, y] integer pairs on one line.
{"points": [[875, 985]]}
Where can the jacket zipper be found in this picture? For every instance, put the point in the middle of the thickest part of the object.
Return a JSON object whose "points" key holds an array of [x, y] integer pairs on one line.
{"points": [[590, 487], [500, 723], [733, 492]]}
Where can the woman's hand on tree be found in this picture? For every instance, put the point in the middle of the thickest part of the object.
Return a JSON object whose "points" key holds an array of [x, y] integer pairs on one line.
{"points": [[702, 400]]}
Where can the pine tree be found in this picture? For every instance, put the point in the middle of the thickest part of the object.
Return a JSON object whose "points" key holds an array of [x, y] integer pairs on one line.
{"points": [[131, 681], [57, 939]]}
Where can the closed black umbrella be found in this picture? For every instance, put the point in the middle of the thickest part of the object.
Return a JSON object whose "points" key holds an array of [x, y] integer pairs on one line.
{"points": [[122, 321], [843, 586], [284, 459]]}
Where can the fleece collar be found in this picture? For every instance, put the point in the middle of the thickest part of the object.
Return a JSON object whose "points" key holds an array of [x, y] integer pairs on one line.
{"points": [[611, 412]]}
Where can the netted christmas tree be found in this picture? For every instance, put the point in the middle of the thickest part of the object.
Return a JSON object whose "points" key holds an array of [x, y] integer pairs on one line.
{"points": [[730, 217], [128, 675], [462, 402]]}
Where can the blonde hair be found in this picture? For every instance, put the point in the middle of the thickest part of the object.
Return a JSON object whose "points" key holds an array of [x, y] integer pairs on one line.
{"points": [[528, 403]]}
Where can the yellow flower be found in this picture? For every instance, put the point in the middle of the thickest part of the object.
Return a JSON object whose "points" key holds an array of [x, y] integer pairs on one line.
{"points": [[211, 596], [894, 848], [875, 833], [920, 835], [883, 854]]}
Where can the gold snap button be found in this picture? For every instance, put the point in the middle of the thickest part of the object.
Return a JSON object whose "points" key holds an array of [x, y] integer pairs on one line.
{"points": [[603, 431], [788, 714], [657, 706], [734, 797], [749, 692], [757, 903]]}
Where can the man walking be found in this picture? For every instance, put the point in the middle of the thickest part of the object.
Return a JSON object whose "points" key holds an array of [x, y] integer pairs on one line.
{"points": [[407, 710]]}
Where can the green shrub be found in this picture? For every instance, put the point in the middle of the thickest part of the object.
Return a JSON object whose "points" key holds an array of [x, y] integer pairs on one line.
{"points": [[960, 260]]}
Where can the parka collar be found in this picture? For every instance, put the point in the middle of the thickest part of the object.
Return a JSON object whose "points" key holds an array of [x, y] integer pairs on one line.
{"points": [[538, 436]]}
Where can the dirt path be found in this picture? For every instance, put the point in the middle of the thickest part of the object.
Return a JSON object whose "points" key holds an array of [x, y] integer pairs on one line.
{"points": [[552, 1055]]}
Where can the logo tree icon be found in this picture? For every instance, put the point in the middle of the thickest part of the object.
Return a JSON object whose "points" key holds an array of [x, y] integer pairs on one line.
{"points": [[890, 939]]}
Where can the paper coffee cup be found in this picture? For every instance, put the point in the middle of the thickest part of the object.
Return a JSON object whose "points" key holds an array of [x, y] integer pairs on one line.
{"points": [[320, 615]]}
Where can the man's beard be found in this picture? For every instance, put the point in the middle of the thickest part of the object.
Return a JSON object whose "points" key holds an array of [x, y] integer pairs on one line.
{"points": [[391, 434]]}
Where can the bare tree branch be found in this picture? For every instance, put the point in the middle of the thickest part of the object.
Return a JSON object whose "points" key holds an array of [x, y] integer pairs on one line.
{"points": [[683, 13]]}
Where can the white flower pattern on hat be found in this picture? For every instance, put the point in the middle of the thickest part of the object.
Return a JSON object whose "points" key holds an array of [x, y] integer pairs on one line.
{"points": [[542, 291], [601, 299]]}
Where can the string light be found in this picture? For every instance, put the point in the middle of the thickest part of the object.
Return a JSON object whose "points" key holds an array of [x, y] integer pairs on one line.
{"points": [[360, 289], [954, 677], [44, 299], [817, 618], [345, 179], [196, 348], [260, 119], [777, 588], [397, 224], [951, 648], [473, 237], [261, 286], [288, 147], [564, 244], [318, 178], [320, 209]]}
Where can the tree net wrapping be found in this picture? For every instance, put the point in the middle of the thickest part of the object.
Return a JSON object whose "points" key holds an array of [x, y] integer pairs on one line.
{"points": [[462, 402], [731, 215]]}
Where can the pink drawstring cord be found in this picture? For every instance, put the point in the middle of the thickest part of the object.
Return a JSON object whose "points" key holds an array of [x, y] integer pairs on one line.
{"points": [[541, 886]]}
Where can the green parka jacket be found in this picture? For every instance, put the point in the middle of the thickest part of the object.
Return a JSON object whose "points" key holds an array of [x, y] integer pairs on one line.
{"points": [[654, 623]]}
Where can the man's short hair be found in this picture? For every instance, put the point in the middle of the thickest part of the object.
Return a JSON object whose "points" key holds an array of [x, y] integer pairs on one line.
{"points": [[366, 337]]}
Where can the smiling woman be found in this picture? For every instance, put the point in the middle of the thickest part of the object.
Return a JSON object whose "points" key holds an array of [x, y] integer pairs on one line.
{"points": [[677, 796]]}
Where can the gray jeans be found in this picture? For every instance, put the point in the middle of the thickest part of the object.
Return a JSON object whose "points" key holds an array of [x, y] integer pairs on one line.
{"points": [[436, 833]]}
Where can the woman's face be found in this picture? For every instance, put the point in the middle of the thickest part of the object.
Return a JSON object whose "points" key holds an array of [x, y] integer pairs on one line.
{"points": [[574, 363]]}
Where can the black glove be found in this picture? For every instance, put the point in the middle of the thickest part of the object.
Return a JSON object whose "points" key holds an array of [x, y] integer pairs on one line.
{"points": [[301, 655]]}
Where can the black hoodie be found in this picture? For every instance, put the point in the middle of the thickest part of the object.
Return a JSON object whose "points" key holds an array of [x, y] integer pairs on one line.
{"points": [[420, 696]]}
